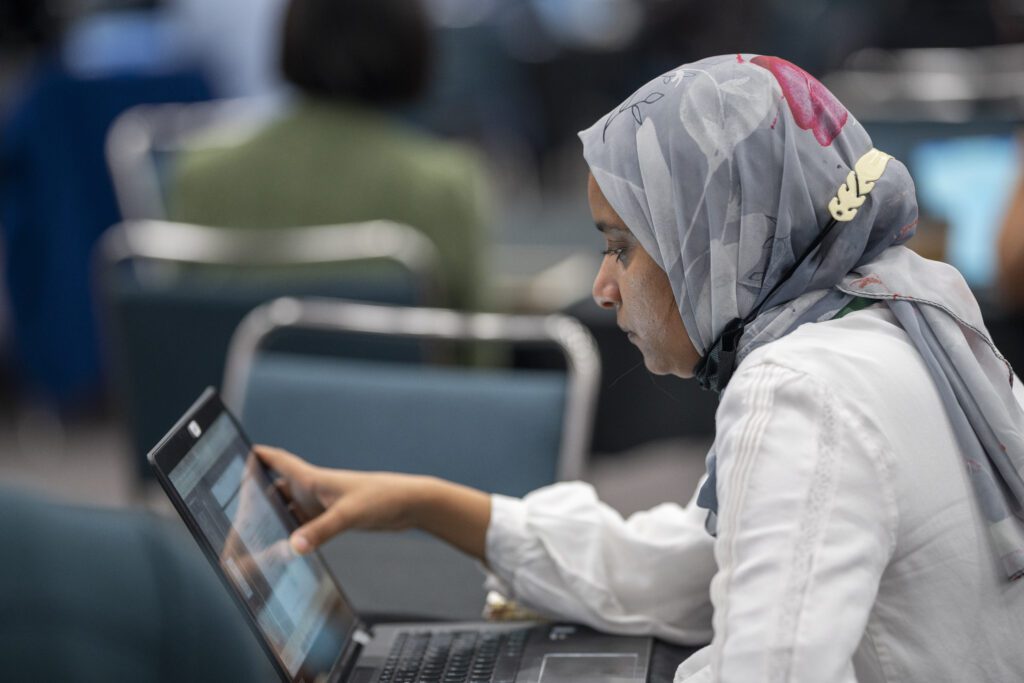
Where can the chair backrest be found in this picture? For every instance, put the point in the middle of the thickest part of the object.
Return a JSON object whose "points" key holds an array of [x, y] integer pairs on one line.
{"points": [[172, 294], [501, 430], [112, 594], [294, 246], [143, 139]]}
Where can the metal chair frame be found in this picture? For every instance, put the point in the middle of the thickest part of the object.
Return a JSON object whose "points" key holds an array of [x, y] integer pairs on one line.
{"points": [[189, 244], [142, 130]]}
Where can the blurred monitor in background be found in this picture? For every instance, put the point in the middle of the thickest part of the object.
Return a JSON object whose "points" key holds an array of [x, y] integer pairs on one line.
{"points": [[341, 154], [1010, 247], [967, 183]]}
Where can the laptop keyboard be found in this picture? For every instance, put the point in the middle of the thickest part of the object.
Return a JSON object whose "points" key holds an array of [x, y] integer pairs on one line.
{"points": [[454, 657]]}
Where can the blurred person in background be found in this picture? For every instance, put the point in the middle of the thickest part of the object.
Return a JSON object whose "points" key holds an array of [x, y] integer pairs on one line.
{"points": [[341, 154], [864, 486], [82, 65]]}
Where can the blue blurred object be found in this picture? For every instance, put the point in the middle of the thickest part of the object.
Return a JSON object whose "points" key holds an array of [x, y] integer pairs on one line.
{"points": [[124, 41], [594, 24], [967, 182], [55, 200], [498, 430], [237, 41], [113, 595]]}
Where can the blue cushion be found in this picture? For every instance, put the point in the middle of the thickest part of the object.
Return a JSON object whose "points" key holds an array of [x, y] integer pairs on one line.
{"points": [[498, 430], [89, 594]]}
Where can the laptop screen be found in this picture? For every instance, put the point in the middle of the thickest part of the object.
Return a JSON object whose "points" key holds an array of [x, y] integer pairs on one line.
{"points": [[294, 600]]}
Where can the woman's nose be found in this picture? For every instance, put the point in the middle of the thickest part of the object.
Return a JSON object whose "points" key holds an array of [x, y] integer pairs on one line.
{"points": [[606, 289]]}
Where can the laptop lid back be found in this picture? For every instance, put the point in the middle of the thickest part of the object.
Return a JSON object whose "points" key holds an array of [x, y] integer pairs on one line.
{"points": [[229, 502]]}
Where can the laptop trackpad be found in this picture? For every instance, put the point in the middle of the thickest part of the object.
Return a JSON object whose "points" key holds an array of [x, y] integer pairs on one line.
{"points": [[588, 668]]}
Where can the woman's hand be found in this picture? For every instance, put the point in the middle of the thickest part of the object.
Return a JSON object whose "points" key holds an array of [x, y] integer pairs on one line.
{"points": [[334, 501]]}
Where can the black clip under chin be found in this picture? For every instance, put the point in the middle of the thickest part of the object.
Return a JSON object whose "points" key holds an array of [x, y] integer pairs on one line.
{"points": [[715, 369]]}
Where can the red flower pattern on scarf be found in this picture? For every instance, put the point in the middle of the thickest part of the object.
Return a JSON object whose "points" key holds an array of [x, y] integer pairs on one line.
{"points": [[814, 107]]}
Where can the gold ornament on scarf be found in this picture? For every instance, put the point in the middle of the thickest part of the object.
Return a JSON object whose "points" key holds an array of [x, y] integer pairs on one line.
{"points": [[859, 182]]}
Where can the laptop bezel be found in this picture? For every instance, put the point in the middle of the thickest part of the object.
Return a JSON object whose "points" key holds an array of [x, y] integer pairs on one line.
{"points": [[168, 452]]}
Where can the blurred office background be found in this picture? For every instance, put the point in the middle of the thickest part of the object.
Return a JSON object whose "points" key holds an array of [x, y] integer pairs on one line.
{"points": [[940, 84]]}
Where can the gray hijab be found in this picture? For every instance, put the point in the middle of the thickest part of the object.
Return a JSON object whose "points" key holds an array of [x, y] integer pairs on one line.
{"points": [[727, 171]]}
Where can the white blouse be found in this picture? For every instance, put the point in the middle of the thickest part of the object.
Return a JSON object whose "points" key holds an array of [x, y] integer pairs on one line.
{"points": [[850, 546]]}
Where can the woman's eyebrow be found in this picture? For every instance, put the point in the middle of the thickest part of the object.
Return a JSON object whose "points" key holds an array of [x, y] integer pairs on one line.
{"points": [[608, 227]]}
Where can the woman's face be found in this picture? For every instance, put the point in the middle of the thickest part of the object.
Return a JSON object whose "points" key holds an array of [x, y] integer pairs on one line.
{"points": [[630, 282]]}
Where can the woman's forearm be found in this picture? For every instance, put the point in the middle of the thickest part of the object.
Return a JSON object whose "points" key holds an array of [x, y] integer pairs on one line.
{"points": [[458, 515]]}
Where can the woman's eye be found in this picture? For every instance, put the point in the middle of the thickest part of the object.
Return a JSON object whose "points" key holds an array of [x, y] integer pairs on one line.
{"points": [[618, 252]]}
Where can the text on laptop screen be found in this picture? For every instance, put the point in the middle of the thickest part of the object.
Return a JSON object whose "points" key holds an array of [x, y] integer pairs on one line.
{"points": [[296, 603]]}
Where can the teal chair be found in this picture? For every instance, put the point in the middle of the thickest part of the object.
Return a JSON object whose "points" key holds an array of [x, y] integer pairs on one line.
{"points": [[90, 594], [171, 295], [502, 430]]}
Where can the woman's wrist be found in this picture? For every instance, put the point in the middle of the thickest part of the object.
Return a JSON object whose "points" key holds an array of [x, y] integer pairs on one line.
{"points": [[425, 494], [454, 513]]}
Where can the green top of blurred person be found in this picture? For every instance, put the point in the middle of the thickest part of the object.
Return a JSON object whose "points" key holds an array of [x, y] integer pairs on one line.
{"points": [[339, 155]]}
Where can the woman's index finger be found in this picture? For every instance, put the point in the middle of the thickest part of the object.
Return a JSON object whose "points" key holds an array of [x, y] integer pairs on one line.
{"points": [[281, 461]]}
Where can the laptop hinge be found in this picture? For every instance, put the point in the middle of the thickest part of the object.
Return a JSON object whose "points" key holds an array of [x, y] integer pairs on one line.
{"points": [[347, 659]]}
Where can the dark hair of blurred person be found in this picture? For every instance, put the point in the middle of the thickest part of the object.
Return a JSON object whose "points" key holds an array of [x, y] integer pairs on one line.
{"points": [[373, 51]]}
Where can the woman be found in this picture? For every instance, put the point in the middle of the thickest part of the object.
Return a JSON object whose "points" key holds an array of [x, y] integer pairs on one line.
{"points": [[754, 241]]}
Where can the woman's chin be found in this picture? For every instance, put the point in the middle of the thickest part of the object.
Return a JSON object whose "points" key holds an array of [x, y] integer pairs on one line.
{"points": [[657, 365]]}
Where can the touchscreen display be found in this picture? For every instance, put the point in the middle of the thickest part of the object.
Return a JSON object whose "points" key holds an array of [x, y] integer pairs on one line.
{"points": [[293, 598]]}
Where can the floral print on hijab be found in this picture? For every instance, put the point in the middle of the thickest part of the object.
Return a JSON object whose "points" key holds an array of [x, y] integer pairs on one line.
{"points": [[814, 108], [723, 169]]}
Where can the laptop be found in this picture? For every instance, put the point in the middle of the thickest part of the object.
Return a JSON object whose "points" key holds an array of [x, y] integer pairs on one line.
{"points": [[299, 612]]}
